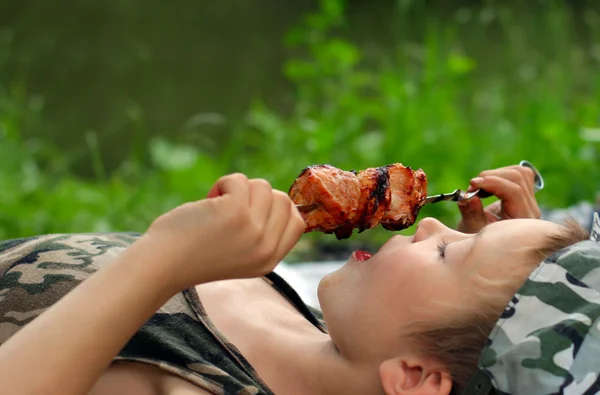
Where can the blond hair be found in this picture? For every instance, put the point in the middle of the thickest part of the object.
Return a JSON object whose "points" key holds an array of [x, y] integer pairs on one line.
{"points": [[459, 338]]}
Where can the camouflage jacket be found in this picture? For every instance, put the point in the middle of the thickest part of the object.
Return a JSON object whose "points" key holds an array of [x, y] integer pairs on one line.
{"points": [[179, 338], [547, 341]]}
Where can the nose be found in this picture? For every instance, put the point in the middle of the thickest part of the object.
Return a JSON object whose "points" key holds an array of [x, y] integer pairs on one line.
{"points": [[428, 227]]}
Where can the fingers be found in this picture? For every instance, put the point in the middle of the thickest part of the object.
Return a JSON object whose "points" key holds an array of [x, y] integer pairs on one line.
{"points": [[513, 185], [279, 216], [261, 199], [516, 202], [527, 174], [293, 232], [520, 175], [473, 216], [500, 187], [524, 178], [276, 225], [284, 227], [235, 185], [493, 212]]}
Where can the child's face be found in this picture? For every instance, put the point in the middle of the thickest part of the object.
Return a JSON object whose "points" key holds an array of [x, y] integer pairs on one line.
{"points": [[368, 306]]}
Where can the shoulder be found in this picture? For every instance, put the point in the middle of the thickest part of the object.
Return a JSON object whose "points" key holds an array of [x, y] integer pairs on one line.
{"points": [[76, 249], [36, 272]]}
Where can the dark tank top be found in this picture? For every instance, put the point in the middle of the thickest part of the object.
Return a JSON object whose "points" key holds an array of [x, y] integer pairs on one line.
{"points": [[179, 338]]}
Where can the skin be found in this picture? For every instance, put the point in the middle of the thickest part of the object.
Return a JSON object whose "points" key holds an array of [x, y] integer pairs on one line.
{"points": [[180, 249], [192, 245], [513, 185], [412, 269]]}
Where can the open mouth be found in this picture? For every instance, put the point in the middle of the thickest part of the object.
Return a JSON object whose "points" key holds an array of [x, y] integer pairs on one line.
{"points": [[362, 256]]}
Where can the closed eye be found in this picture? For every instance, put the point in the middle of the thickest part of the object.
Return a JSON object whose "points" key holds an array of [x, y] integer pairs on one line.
{"points": [[442, 244]]}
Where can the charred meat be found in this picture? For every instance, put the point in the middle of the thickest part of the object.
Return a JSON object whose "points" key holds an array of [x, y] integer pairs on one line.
{"points": [[346, 200]]}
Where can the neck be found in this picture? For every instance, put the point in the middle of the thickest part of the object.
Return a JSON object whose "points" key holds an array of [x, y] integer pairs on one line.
{"points": [[308, 362]]}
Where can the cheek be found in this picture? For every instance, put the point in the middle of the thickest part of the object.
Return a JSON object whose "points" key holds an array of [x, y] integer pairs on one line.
{"points": [[393, 278], [404, 289]]}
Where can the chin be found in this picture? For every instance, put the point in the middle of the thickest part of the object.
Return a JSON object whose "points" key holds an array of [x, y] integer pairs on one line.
{"points": [[322, 288], [328, 290], [331, 280]]}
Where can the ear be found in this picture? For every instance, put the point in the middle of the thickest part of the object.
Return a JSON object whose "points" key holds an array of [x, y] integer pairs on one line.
{"points": [[415, 375]]}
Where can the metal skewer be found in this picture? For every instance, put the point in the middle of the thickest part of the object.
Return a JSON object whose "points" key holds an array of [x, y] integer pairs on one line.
{"points": [[458, 195], [303, 208]]}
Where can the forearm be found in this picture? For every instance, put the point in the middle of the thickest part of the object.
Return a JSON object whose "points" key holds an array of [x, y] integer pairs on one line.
{"points": [[66, 349]]}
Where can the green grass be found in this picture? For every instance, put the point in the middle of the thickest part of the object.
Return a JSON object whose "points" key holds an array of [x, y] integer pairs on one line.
{"points": [[485, 88]]}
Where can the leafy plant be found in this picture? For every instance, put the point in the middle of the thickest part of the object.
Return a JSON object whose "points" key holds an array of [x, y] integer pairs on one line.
{"points": [[486, 88]]}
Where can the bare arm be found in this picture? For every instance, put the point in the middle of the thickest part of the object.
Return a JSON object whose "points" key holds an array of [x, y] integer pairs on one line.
{"points": [[66, 349], [242, 230]]}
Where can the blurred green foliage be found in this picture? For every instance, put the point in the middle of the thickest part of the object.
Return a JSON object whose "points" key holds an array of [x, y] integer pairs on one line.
{"points": [[520, 86]]}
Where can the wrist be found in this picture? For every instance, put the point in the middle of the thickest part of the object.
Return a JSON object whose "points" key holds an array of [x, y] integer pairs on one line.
{"points": [[161, 262], [144, 262]]}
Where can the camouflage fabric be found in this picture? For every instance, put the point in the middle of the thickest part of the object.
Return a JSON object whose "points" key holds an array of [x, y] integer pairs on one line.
{"points": [[179, 338], [547, 341]]}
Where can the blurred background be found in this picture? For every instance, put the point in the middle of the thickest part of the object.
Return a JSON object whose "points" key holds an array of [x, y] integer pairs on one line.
{"points": [[113, 112]]}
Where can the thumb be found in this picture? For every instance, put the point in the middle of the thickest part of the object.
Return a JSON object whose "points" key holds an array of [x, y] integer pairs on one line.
{"points": [[473, 216], [233, 184]]}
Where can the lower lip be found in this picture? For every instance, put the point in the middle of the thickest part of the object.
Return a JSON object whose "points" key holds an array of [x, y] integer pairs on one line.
{"points": [[362, 256]]}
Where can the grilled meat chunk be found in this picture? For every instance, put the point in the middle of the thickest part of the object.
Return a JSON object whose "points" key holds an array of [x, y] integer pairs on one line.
{"points": [[324, 185], [375, 196], [389, 195], [409, 190]]}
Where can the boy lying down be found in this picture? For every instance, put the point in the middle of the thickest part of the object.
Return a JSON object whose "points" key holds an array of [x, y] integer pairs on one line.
{"points": [[192, 306]]}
